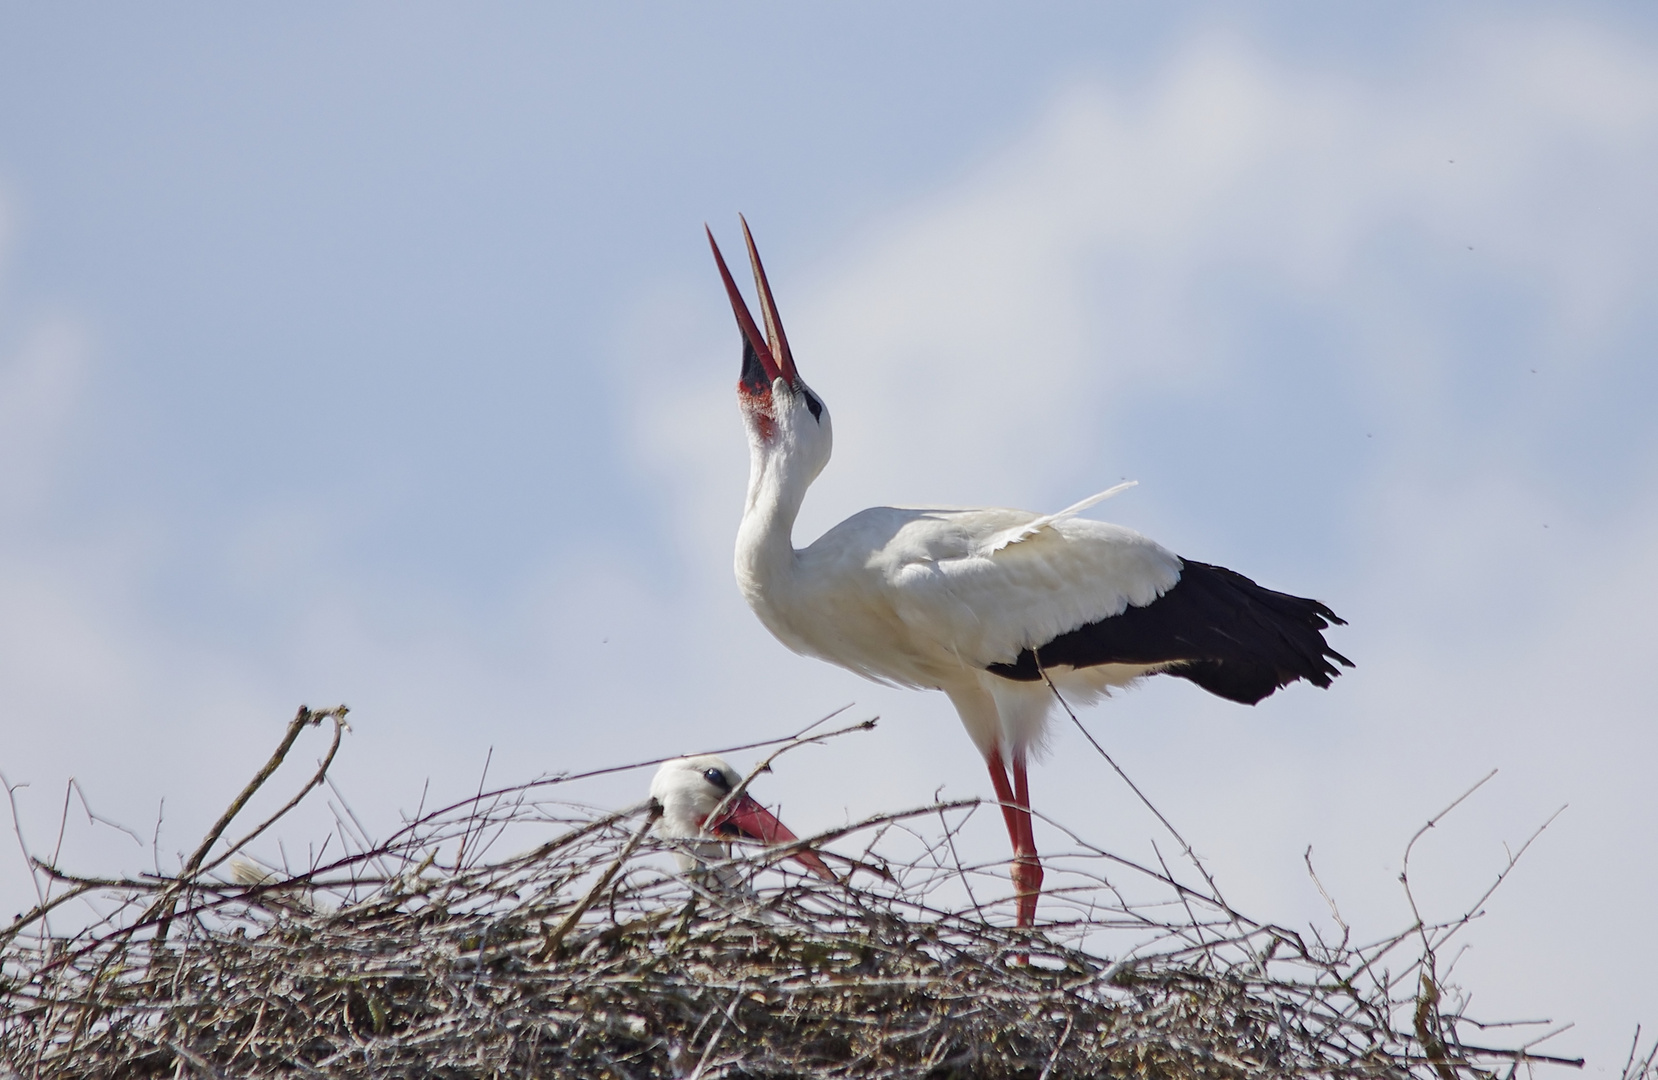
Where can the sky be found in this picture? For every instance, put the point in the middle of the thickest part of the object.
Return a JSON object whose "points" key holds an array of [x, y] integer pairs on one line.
{"points": [[373, 354]]}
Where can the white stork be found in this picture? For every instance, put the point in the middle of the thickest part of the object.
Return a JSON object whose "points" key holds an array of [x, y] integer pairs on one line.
{"points": [[989, 605], [691, 790]]}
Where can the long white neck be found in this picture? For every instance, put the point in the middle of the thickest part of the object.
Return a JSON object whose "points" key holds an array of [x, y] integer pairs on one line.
{"points": [[777, 483]]}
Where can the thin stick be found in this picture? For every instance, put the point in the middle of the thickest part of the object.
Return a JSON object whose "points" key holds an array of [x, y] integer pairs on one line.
{"points": [[460, 851], [99, 819], [550, 948], [317, 778], [1634, 1048], [23, 846], [304, 718], [1132, 786], [714, 1040], [1307, 856], [1513, 861], [799, 739], [1058, 1046], [1433, 822]]}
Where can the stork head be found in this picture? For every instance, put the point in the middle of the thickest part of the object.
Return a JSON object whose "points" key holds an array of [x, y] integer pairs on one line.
{"points": [[692, 789], [782, 413]]}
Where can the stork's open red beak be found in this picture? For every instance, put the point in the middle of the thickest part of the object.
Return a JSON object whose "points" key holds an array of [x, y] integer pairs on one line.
{"points": [[745, 817], [772, 350]]}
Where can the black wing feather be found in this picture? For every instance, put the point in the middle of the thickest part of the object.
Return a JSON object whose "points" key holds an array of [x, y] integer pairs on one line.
{"points": [[1215, 627]]}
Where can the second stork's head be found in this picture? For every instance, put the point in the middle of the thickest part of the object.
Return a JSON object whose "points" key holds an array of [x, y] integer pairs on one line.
{"points": [[695, 796], [788, 425]]}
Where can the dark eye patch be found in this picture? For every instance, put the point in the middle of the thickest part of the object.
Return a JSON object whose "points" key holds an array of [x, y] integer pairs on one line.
{"points": [[717, 778], [815, 405]]}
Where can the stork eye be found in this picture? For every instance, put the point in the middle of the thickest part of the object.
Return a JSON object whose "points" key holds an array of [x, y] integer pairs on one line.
{"points": [[814, 405], [717, 778]]}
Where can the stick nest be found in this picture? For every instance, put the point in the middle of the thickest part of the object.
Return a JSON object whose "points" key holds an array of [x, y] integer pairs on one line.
{"points": [[594, 955]]}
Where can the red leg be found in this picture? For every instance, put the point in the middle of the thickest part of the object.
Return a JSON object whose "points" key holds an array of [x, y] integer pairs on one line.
{"points": [[1027, 868], [1015, 800]]}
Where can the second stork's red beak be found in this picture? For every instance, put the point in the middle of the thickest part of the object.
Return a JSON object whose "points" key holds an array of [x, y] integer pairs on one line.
{"points": [[772, 349], [745, 817]]}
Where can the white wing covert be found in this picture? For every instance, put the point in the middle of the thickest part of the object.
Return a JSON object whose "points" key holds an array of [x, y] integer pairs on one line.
{"points": [[988, 583]]}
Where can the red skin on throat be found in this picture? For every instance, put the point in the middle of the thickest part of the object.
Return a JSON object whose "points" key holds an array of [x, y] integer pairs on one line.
{"points": [[757, 409]]}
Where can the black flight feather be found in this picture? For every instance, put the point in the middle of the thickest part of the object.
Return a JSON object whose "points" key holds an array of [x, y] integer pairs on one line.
{"points": [[1215, 627]]}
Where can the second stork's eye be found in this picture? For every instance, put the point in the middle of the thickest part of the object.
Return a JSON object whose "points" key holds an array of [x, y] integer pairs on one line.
{"points": [[717, 778]]}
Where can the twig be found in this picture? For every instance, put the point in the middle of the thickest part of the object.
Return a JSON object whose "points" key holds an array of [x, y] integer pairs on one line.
{"points": [[714, 1039], [1433, 822], [162, 912], [549, 948], [1132, 786], [1634, 1048], [1335, 912], [1058, 1046], [99, 819], [794, 742], [1513, 861], [303, 719], [609, 770], [460, 850], [23, 846]]}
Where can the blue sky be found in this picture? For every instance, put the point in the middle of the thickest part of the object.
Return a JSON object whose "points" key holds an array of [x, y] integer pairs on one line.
{"points": [[374, 354]]}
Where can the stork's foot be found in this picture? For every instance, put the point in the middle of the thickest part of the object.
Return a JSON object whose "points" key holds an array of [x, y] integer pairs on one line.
{"points": [[1027, 886]]}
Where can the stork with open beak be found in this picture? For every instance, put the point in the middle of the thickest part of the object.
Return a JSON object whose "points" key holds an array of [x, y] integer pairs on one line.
{"points": [[694, 793], [990, 606]]}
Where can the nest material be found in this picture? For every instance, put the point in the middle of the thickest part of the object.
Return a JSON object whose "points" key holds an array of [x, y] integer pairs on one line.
{"points": [[592, 956]]}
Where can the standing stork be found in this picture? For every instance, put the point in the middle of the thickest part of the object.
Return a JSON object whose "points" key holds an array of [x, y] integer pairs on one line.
{"points": [[991, 605]]}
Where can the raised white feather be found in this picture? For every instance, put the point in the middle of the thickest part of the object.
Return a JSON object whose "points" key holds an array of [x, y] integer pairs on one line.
{"points": [[1036, 526]]}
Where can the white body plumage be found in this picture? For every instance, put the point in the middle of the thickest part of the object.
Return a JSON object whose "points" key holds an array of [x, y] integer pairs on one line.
{"points": [[932, 598]]}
